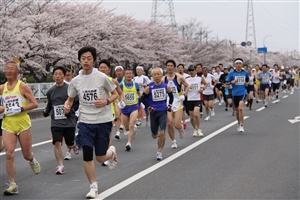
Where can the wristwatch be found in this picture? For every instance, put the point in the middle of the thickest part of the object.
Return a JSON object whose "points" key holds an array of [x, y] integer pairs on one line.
{"points": [[22, 109], [108, 102]]}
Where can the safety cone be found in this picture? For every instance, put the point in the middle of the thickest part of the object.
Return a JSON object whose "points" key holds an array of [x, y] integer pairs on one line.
{"points": [[141, 112]]}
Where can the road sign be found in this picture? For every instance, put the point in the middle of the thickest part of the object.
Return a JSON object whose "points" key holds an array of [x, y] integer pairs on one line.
{"points": [[243, 44], [293, 121], [262, 50], [249, 43]]}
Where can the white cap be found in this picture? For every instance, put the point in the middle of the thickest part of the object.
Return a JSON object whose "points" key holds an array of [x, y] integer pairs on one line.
{"points": [[119, 67], [140, 67]]}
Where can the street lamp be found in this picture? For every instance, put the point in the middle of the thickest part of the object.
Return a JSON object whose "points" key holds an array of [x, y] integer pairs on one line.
{"points": [[265, 46]]}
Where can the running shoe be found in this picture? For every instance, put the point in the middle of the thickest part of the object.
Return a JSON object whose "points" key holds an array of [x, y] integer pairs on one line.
{"points": [[200, 134], [201, 114], [212, 112], [126, 133], [138, 123], [35, 166], [105, 163], [60, 169], [238, 127], [174, 144], [207, 118], [76, 150], [195, 134], [220, 103], [233, 113], [159, 156], [226, 109], [113, 161], [242, 129], [121, 127], [93, 193], [67, 156], [128, 146], [181, 133], [117, 136], [12, 189], [247, 104]]}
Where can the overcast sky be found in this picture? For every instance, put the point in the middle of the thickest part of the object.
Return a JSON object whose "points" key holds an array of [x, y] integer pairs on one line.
{"points": [[227, 19]]}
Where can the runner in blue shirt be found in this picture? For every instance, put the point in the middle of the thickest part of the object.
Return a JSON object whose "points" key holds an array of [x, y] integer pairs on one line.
{"points": [[264, 78], [239, 79]]}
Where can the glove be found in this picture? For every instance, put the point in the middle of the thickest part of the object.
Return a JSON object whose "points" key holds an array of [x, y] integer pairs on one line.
{"points": [[13, 110], [45, 113], [121, 105], [181, 98], [151, 110], [169, 108]]}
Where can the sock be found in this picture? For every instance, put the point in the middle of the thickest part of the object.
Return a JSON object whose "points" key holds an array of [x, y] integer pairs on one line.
{"points": [[251, 101]]}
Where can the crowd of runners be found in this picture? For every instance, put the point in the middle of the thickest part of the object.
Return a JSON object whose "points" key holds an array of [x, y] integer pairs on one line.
{"points": [[95, 103]]}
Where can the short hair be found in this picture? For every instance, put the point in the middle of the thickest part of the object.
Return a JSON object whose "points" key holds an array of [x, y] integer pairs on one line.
{"points": [[60, 68], [160, 69], [129, 69], [180, 65], [265, 65], [200, 64], [221, 64], [275, 65], [104, 62], [85, 49], [14, 62], [171, 61]]}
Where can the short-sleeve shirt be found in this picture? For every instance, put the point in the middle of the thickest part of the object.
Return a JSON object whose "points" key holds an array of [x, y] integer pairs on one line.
{"points": [[239, 88], [265, 77]]}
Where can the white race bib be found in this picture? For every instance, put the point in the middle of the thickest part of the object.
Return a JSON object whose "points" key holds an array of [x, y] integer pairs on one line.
{"points": [[59, 112], [130, 97], [240, 80], [89, 97], [159, 94], [265, 79], [11, 101], [194, 87]]}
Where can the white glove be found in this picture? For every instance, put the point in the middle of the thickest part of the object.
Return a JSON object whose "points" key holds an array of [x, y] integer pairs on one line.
{"points": [[121, 105], [181, 98], [13, 110]]}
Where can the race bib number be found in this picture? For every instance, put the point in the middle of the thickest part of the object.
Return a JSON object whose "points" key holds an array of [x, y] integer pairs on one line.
{"points": [[130, 97], [240, 80], [59, 112], [159, 94], [89, 96], [11, 101], [251, 81], [194, 87], [265, 79], [174, 90]]}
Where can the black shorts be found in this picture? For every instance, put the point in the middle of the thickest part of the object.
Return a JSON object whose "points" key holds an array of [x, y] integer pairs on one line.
{"points": [[0, 127], [219, 86], [264, 86], [237, 99], [67, 132], [250, 88], [192, 104], [208, 97]]}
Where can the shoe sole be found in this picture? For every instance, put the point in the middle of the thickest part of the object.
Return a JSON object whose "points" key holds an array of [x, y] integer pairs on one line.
{"points": [[59, 173], [128, 148], [6, 193], [117, 137]]}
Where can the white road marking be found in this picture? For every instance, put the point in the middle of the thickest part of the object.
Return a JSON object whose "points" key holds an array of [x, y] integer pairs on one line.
{"points": [[260, 109], [285, 96], [276, 101], [147, 171]]}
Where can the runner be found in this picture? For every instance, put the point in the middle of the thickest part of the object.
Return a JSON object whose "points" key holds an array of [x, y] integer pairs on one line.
{"points": [[143, 81], [196, 84], [222, 80], [208, 93], [62, 126], [16, 124], [155, 100], [95, 117], [296, 76], [264, 77], [276, 78], [1, 117], [239, 80], [250, 88], [228, 91], [218, 85], [257, 83], [130, 110], [175, 82]]}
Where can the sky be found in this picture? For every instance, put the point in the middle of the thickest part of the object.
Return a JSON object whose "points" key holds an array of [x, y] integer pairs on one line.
{"points": [[276, 22]]}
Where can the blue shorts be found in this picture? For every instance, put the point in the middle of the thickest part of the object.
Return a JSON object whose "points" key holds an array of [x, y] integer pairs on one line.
{"points": [[129, 109], [94, 135]]}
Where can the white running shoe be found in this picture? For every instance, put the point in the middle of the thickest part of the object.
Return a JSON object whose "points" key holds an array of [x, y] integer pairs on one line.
{"points": [[122, 127], [35, 166], [181, 133], [200, 134], [195, 134], [138, 123], [118, 136], [128, 146], [174, 144], [93, 193], [242, 129], [113, 161], [238, 127], [207, 118], [126, 133], [212, 112], [12, 189], [60, 169], [159, 156], [68, 156]]}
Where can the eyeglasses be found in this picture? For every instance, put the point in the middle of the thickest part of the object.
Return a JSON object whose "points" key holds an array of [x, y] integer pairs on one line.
{"points": [[10, 69]]}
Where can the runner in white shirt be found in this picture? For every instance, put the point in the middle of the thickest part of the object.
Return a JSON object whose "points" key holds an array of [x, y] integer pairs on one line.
{"points": [[143, 81], [208, 93], [197, 84], [218, 85]]}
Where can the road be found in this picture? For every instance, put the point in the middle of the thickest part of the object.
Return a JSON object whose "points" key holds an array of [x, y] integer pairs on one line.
{"points": [[262, 163]]}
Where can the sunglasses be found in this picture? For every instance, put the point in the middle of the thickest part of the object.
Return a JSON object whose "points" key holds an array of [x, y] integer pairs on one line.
{"points": [[190, 70]]}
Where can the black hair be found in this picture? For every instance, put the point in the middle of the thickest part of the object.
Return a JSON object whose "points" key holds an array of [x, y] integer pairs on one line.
{"points": [[104, 62], [180, 65], [265, 65], [171, 61], [61, 68], [276, 65], [199, 64], [85, 49], [238, 59], [220, 64]]}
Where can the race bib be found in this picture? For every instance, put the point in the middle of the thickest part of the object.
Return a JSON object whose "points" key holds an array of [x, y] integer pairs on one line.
{"points": [[265, 79], [173, 88], [251, 82], [130, 97], [159, 94], [59, 112], [194, 87], [89, 97], [240, 80], [11, 101]]}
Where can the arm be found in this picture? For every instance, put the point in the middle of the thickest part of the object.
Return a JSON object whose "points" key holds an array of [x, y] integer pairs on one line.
{"points": [[27, 93], [186, 85], [1, 105], [203, 81], [171, 96], [119, 90], [48, 107], [144, 96]]}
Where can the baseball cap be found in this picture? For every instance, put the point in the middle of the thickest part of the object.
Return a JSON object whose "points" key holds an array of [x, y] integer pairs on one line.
{"points": [[191, 68]]}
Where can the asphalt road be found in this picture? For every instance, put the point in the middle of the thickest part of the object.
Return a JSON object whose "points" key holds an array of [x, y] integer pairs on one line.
{"points": [[262, 163]]}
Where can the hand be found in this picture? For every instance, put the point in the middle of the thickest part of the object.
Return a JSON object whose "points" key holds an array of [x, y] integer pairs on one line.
{"points": [[99, 103], [169, 108], [201, 90], [121, 105], [13, 110], [67, 108], [151, 110], [234, 81], [45, 113], [181, 98]]}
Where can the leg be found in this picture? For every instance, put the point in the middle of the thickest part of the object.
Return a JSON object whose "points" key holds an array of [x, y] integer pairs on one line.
{"points": [[132, 119], [10, 141], [170, 126], [25, 140], [58, 153], [196, 117]]}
